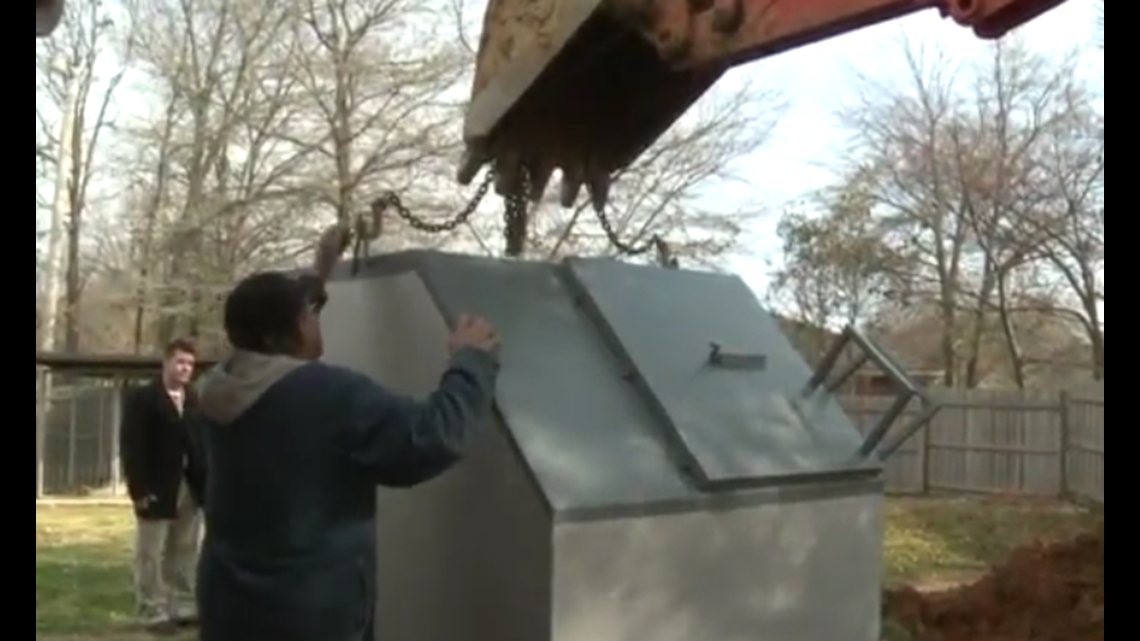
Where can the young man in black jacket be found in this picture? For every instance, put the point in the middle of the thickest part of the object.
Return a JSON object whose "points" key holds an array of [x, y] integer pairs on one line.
{"points": [[157, 459]]}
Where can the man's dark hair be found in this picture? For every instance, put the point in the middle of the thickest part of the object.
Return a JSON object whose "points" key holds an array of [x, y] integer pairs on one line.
{"points": [[263, 311], [180, 346]]}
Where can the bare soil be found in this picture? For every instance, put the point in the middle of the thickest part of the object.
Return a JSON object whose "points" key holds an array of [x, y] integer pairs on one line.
{"points": [[1046, 592]]}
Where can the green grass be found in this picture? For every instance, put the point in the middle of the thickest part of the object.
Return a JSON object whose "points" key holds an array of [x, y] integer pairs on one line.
{"points": [[83, 576], [83, 582], [936, 543]]}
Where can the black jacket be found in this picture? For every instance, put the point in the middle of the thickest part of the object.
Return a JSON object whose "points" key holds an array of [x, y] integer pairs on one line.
{"points": [[155, 442]]}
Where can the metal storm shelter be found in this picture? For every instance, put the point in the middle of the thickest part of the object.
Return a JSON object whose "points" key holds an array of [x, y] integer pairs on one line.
{"points": [[663, 465]]}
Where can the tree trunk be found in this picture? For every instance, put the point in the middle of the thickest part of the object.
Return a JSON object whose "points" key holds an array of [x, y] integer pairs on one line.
{"points": [[978, 330], [73, 293], [54, 270], [949, 352], [1009, 331], [1098, 356]]}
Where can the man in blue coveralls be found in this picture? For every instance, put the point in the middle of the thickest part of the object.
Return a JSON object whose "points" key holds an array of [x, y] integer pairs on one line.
{"points": [[294, 452]]}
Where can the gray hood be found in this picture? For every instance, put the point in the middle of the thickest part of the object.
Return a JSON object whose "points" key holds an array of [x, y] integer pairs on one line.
{"points": [[229, 390]]}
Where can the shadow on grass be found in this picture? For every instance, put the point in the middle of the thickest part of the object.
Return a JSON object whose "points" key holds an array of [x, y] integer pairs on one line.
{"points": [[951, 540]]}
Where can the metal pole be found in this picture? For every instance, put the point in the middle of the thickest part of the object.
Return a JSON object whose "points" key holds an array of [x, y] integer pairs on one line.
{"points": [[101, 463], [43, 389], [116, 425], [72, 437]]}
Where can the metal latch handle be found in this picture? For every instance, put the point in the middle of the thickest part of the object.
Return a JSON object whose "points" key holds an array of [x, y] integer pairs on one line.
{"points": [[721, 358]]}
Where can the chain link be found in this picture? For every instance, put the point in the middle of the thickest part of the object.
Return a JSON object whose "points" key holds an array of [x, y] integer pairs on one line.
{"points": [[633, 251], [516, 222], [391, 200], [369, 228]]}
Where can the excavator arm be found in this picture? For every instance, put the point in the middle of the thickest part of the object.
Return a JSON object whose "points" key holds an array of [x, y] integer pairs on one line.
{"points": [[583, 87]]}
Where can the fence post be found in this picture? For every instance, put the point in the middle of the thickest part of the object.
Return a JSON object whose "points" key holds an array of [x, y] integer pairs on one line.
{"points": [[926, 454], [43, 389], [1066, 444], [116, 424], [72, 437]]}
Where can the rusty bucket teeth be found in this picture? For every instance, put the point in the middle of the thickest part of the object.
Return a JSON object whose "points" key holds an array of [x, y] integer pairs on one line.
{"points": [[571, 190], [599, 189], [540, 176], [473, 161], [508, 175]]}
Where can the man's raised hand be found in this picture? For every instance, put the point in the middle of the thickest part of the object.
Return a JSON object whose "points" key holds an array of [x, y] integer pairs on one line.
{"points": [[475, 333], [332, 245]]}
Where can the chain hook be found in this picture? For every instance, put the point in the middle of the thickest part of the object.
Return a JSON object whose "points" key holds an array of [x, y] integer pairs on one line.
{"points": [[625, 249], [367, 228]]}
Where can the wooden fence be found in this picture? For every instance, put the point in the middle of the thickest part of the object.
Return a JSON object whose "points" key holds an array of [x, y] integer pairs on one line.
{"points": [[1016, 443]]}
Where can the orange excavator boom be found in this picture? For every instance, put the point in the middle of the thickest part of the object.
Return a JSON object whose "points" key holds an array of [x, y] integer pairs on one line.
{"points": [[583, 87]]}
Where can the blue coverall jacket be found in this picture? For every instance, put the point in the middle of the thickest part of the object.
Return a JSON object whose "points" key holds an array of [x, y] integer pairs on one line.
{"points": [[294, 453]]}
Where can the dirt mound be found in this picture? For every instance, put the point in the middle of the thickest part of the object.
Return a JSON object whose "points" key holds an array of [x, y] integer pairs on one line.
{"points": [[1044, 593]]}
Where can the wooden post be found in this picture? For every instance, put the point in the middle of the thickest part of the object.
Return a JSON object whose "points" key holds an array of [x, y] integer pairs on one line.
{"points": [[926, 454], [116, 425], [1065, 445]]}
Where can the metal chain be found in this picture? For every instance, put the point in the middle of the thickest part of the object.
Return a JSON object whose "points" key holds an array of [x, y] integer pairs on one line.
{"points": [[369, 228], [633, 251], [516, 223], [391, 200]]}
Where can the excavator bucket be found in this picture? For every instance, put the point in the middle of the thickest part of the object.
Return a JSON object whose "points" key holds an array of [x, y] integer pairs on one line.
{"points": [[567, 85], [582, 87]]}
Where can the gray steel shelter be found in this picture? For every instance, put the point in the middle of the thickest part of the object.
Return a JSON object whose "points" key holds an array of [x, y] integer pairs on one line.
{"points": [[662, 466]]}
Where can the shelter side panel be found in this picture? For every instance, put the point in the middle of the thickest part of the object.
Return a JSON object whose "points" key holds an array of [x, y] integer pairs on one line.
{"points": [[461, 557], [794, 572]]}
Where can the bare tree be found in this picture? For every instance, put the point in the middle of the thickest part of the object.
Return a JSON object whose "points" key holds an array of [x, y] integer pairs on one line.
{"points": [[254, 124], [221, 183], [1065, 223], [836, 270], [954, 164], [374, 80], [75, 82]]}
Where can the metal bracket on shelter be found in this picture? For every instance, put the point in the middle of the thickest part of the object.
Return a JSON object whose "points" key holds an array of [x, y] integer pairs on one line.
{"points": [[908, 390]]}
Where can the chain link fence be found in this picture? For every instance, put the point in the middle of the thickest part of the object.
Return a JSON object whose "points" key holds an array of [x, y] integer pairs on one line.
{"points": [[77, 436]]}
